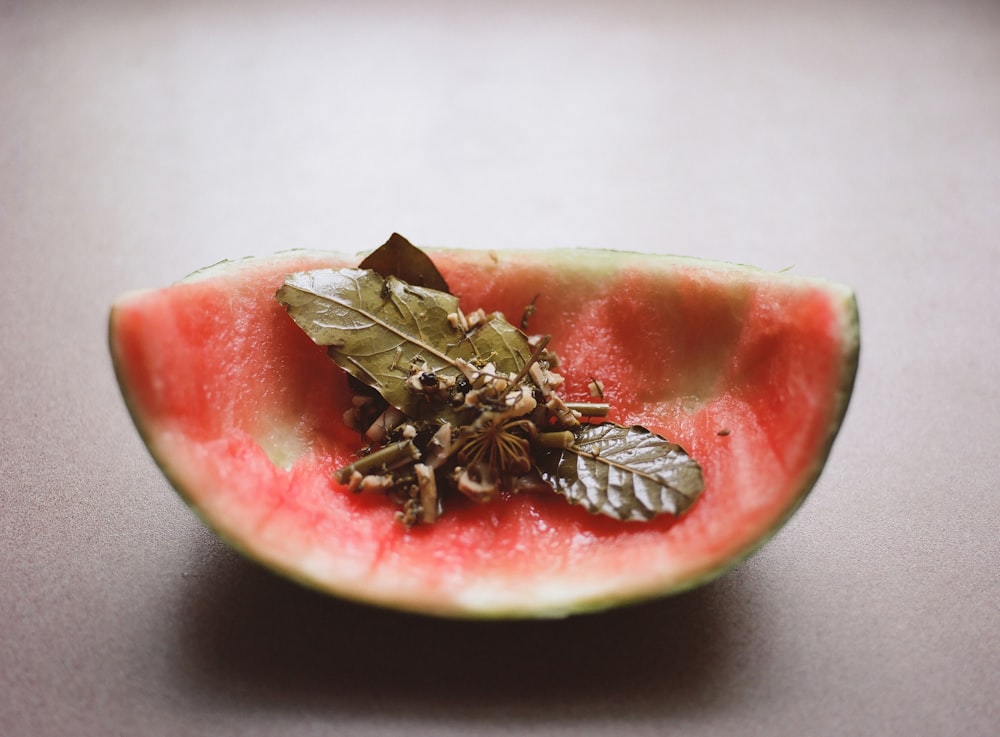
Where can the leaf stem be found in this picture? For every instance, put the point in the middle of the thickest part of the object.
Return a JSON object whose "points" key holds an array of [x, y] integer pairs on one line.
{"points": [[590, 409], [542, 343], [558, 439], [389, 457]]}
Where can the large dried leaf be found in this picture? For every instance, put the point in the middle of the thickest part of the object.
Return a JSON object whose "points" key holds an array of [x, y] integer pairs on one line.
{"points": [[376, 328], [399, 258], [628, 473]]}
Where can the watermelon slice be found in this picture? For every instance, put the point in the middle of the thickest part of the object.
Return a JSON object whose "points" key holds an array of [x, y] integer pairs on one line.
{"points": [[750, 371]]}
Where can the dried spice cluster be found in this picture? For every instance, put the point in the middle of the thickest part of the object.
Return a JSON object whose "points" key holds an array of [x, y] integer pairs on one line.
{"points": [[506, 419], [447, 400]]}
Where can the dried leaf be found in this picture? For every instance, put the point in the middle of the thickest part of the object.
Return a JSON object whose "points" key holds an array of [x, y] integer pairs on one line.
{"points": [[628, 473], [376, 328], [399, 258]]}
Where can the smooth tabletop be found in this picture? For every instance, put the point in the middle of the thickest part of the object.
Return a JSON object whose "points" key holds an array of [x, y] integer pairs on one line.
{"points": [[858, 142]]}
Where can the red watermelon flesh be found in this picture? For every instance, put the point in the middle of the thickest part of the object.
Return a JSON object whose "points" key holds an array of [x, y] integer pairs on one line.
{"points": [[750, 371]]}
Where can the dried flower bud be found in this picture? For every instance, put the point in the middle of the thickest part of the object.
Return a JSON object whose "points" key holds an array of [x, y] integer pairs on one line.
{"points": [[479, 483], [476, 318]]}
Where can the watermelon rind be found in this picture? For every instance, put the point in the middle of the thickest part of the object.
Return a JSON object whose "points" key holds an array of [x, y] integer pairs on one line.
{"points": [[487, 599]]}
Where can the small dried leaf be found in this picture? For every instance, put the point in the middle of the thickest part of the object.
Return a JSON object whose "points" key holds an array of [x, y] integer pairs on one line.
{"points": [[628, 473], [376, 328], [399, 258]]}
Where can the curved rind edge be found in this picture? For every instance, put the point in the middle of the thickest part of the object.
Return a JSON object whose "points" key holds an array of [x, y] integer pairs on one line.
{"points": [[851, 344]]}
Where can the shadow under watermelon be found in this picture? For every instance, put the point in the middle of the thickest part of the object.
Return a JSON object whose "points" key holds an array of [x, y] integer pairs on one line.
{"points": [[252, 640]]}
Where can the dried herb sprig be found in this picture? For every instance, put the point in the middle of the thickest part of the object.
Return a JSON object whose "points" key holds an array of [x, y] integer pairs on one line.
{"points": [[468, 402]]}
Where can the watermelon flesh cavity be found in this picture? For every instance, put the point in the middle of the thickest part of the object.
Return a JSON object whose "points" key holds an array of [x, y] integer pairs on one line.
{"points": [[750, 371]]}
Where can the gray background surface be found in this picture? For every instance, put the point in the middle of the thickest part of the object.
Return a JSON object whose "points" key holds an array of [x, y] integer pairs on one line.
{"points": [[861, 143]]}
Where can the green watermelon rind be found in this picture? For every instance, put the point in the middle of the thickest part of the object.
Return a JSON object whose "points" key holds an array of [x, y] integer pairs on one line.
{"points": [[597, 262]]}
